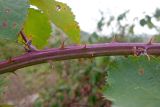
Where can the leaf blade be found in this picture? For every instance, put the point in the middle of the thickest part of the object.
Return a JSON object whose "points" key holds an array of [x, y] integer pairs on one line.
{"points": [[12, 17], [60, 14], [134, 82], [38, 27]]}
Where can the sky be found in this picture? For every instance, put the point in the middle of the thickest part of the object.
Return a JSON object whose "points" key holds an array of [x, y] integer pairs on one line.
{"points": [[87, 12]]}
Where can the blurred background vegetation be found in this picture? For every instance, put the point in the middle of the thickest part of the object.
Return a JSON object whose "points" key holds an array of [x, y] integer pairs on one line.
{"points": [[70, 83]]}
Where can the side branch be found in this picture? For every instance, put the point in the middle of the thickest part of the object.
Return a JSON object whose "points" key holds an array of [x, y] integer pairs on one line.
{"points": [[27, 42], [24, 37], [75, 52]]}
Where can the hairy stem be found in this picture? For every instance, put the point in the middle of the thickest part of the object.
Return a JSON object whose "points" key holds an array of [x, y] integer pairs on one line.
{"points": [[76, 51]]}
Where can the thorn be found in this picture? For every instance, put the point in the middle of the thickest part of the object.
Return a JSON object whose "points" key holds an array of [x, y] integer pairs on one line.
{"points": [[62, 45], [10, 60], [14, 73], [85, 46], [150, 41]]}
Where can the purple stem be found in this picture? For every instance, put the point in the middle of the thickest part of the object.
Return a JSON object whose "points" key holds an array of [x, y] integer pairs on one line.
{"points": [[75, 52]]}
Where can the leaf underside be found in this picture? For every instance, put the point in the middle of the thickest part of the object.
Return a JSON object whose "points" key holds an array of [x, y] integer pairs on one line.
{"points": [[12, 17], [134, 82]]}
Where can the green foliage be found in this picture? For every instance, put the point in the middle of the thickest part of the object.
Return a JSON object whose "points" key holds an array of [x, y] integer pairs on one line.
{"points": [[101, 23], [38, 22], [122, 16], [143, 22], [131, 29], [59, 14], [38, 27], [12, 16], [6, 105], [147, 21], [3, 81], [134, 82], [10, 49], [76, 84], [157, 14], [119, 25]]}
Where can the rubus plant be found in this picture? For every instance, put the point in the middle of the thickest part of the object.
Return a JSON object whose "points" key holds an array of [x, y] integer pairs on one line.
{"points": [[30, 23]]}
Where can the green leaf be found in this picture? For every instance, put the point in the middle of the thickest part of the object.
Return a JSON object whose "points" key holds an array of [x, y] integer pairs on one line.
{"points": [[157, 14], [60, 14], [122, 16], [38, 27], [12, 16], [100, 24], [149, 21], [142, 22], [131, 29], [134, 82]]}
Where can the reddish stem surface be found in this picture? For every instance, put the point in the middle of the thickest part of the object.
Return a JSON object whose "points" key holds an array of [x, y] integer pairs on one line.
{"points": [[75, 52]]}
